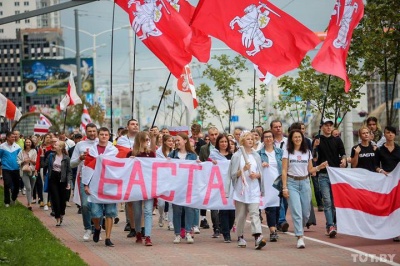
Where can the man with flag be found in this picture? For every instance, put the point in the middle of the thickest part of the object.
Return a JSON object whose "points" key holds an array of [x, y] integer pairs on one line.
{"points": [[103, 147], [77, 159]]}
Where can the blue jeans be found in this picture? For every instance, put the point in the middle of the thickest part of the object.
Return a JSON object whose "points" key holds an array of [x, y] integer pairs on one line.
{"points": [[98, 210], [85, 205], [272, 214], [299, 203], [327, 198], [148, 215], [282, 211], [317, 191], [189, 218]]}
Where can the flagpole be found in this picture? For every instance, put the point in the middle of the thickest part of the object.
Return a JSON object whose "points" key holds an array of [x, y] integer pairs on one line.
{"points": [[65, 118], [173, 108], [111, 72], [133, 73], [254, 98], [159, 104], [324, 106]]}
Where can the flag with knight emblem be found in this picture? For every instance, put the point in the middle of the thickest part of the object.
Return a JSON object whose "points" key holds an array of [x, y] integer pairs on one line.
{"points": [[184, 88], [162, 30], [258, 30], [331, 58]]}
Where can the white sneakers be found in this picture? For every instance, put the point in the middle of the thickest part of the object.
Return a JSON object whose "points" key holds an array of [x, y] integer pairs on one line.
{"points": [[86, 236], [196, 230], [46, 208], [300, 243], [160, 222], [177, 239], [189, 238], [170, 226], [242, 243], [260, 242]]}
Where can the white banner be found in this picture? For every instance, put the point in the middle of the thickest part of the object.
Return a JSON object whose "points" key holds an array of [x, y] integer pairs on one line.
{"points": [[182, 182]]}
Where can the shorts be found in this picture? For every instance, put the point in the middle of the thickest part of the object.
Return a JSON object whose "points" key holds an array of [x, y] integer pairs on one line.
{"points": [[99, 210]]}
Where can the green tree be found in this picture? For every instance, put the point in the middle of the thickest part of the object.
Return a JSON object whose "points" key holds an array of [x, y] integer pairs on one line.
{"points": [[221, 100], [308, 91], [377, 42], [258, 106]]}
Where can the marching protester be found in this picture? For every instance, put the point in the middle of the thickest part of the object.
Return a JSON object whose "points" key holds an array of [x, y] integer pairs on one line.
{"points": [[9, 151], [77, 160], [364, 154], [46, 146], [373, 125], [162, 152], [296, 167], [183, 151], [330, 149], [222, 152], [245, 172], [103, 147], [271, 158], [142, 148], [60, 175], [27, 160]]}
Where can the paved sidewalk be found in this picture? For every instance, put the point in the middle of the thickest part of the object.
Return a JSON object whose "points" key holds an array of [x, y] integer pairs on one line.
{"points": [[209, 251]]}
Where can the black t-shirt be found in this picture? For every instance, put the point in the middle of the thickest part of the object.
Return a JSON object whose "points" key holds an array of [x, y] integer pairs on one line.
{"points": [[330, 149], [387, 159], [367, 158]]}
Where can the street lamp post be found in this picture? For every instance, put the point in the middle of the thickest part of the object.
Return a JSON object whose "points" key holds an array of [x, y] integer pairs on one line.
{"points": [[94, 47]]}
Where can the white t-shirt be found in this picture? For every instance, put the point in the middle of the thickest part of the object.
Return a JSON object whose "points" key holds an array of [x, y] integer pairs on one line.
{"points": [[272, 169], [298, 162], [281, 144], [250, 194]]}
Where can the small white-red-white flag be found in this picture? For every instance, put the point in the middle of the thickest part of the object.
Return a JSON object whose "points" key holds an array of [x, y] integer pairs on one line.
{"points": [[71, 97], [85, 119], [367, 203], [45, 121], [265, 78], [8, 109], [39, 129], [185, 89]]}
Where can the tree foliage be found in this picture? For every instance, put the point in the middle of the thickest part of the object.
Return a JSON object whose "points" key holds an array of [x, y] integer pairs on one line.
{"points": [[308, 90], [220, 101], [377, 42]]}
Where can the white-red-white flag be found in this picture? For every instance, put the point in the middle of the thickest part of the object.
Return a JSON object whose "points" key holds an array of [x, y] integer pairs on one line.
{"points": [[45, 121], [85, 119], [367, 203], [39, 129], [71, 97], [265, 78], [8, 109], [184, 87]]}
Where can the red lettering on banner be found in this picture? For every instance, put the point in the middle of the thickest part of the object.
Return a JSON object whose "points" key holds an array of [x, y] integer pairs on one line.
{"points": [[155, 167], [104, 180], [219, 186], [136, 170], [192, 168]]}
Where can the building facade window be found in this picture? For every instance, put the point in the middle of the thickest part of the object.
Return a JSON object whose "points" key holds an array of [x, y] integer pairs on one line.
{"points": [[27, 20], [1, 30], [26, 3], [16, 3]]}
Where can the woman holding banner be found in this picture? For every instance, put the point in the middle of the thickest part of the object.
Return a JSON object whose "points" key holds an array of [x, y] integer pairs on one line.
{"points": [[245, 171], [166, 148], [183, 151], [222, 152], [271, 158], [296, 167], [141, 148]]}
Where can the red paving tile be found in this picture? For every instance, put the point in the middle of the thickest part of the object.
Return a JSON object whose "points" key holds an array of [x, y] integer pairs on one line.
{"points": [[209, 251]]}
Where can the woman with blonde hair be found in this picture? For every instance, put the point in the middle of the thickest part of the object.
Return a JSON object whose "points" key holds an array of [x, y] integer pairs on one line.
{"points": [[245, 172], [27, 160], [60, 176]]}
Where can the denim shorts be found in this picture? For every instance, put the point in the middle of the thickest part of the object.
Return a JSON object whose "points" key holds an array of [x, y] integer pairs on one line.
{"points": [[100, 209]]}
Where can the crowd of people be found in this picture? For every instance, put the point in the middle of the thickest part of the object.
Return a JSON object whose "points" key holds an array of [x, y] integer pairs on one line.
{"points": [[46, 169]]}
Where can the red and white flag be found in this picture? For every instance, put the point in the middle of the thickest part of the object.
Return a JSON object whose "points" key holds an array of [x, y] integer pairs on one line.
{"points": [[184, 88], [44, 120], [85, 119], [331, 58], [39, 129], [367, 203], [71, 98], [162, 30], [8, 109], [258, 30]]}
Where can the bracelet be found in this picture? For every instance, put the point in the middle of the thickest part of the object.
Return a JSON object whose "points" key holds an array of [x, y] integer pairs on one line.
{"points": [[284, 189], [316, 167], [380, 171]]}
